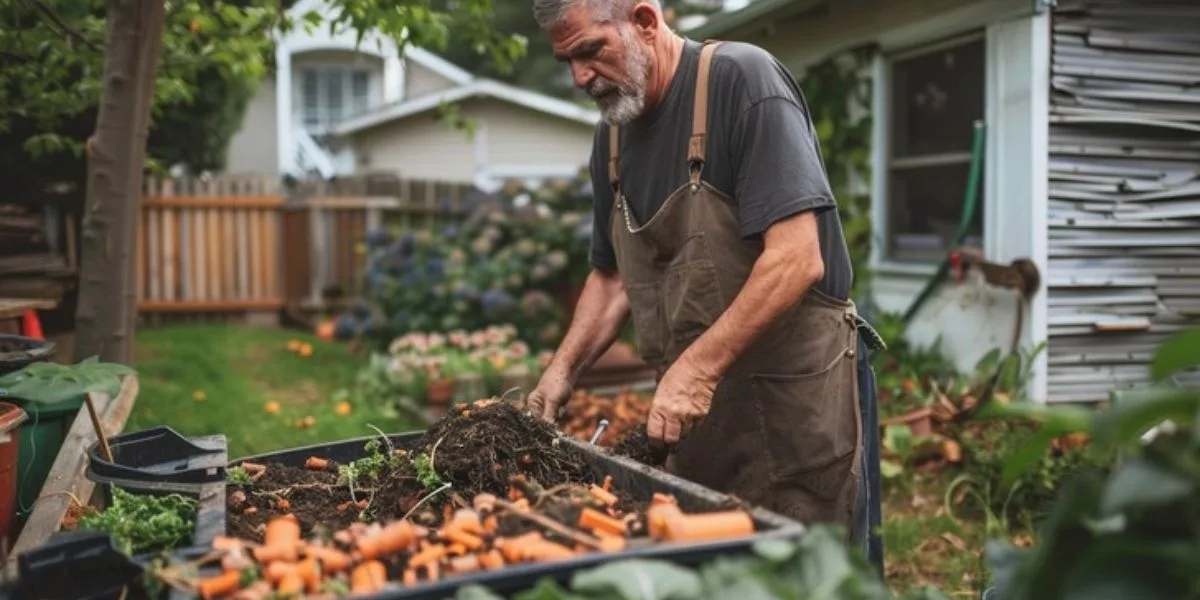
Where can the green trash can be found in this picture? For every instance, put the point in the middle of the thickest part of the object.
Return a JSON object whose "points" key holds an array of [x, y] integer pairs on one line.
{"points": [[43, 433]]}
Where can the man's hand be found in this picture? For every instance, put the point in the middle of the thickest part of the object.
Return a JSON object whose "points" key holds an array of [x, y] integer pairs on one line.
{"points": [[683, 397], [551, 394]]}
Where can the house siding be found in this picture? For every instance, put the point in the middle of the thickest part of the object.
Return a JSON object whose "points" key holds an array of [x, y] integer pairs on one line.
{"points": [[423, 147], [255, 147], [420, 81], [1124, 211]]}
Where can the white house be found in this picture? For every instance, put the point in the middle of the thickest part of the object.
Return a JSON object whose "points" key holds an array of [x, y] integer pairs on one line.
{"points": [[1092, 158], [334, 107]]}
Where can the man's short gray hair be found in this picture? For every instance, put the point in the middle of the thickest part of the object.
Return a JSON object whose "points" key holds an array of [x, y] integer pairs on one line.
{"points": [[549, 12]]}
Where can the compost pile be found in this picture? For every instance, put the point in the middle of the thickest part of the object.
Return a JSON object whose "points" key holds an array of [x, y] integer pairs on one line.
{"points": [[474, 449], [484, 488]]}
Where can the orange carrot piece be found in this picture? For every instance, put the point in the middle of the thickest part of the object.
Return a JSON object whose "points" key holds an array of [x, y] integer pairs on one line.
{"points": [[276, 571], [514, 494], [290, 584], [465, 564], [709, 526], [284, 504], [282, 530], [484, 503], [657, 517], [409, 578], [310, 573], [363, 504], [332, 560], [490, 524], [612, 543], [343, 507], [458, 536], [467, 520], [250, 510], [432, 554], [521, 505], [546, 551], [397, 536], [432, 571], [607, 483], [603, 495], [456, 549], [224, 542], [316, 463], [491, 560], [220, 585], [368, 577], [259, 590], [660, 498], [252, 468], [590, 518]]}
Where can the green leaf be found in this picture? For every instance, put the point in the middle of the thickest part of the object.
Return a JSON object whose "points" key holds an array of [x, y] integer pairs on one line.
{"points": [[640, 580], [775, 550], [1179, 352], [1140, 483], [1136, 412], [475, 592], [1021, 460]]}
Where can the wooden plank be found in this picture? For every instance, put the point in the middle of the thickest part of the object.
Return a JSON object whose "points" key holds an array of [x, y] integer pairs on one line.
{"points": [[274, 246], [154, 249], [66, 480], [243, 254], [215, 260], [229, 265], [170, 244], [255, 228], [12, 308], [200, 306], [318, 241], [264, 254], [269, 201], [140, 276]]}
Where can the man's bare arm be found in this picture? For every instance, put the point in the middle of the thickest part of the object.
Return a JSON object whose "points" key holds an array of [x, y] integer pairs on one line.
{"points": [[600, 313], [788, 267]]}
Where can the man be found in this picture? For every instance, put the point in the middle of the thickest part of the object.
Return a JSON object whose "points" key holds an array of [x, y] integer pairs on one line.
{"points": [[716, 230]]}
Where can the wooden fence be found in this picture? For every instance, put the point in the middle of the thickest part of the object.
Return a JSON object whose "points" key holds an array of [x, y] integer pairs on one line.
{"points": [[234, 246]]}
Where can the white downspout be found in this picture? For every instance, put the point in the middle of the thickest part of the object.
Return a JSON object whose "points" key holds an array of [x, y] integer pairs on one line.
{"points": [[283, 110]]}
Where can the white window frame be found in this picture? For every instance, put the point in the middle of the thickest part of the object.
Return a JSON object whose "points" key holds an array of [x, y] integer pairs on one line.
{"points": [[324, 71], [881, 147]]}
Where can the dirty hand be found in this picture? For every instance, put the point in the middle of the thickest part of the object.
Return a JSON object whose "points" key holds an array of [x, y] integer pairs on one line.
{"points": [[683, 397], [551, 395]]}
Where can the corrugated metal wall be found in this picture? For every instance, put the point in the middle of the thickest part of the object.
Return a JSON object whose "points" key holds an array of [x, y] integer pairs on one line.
{"points": [[1124, 216]]}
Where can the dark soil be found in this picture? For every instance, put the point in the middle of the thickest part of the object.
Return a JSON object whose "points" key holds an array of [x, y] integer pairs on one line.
{"points": [[476, 448], [637, 445]]}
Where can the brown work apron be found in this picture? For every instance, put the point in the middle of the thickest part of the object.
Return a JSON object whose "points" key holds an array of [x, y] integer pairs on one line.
{"points": [[784, 430]]}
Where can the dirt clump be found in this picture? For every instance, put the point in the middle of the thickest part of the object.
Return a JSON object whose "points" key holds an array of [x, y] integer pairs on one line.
{"points": [[638, 446]]}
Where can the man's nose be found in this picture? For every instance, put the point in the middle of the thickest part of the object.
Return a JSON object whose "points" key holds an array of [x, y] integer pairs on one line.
{"points": [[582, 75]]}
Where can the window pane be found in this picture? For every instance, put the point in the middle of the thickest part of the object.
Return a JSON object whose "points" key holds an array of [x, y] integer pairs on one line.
{"points": [[311, 100], [924, 208], [936, 98], [360, 91], [334, 94]]}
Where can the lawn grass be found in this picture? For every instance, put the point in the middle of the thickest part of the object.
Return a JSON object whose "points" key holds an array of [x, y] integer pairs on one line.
{"points": [[208, 379]]}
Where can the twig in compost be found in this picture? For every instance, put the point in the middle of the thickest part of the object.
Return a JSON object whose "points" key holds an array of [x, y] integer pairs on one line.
{"points": [[423, 501], [511, 390], [552, 525], [433, 455], [386, 440]]}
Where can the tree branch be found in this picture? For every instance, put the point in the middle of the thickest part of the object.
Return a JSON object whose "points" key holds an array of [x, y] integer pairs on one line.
{"points": [[62, 24]]}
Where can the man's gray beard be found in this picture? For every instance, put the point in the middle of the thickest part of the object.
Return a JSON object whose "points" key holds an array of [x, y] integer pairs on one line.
{"points": [[630, 100]]}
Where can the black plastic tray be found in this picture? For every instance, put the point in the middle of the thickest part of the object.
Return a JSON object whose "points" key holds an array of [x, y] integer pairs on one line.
{"points": [[628, 475], [159, 459]]}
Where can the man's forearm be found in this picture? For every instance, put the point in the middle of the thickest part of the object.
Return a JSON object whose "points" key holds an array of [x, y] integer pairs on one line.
{"points": [[599, 315], [776, 284]]}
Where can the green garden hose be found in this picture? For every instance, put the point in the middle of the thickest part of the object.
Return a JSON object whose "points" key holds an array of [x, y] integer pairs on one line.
{"points": [[970, 202]]}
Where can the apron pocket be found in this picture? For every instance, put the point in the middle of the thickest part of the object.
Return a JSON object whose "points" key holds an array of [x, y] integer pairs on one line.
{"points": [[810, 426], [646, 312]]}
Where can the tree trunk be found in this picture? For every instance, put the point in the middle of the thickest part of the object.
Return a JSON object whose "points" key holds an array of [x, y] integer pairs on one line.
{"points": [[116, 155]]}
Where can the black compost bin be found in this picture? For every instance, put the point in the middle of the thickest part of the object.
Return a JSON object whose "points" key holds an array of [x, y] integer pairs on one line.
{"points": [[18, 352], [635, 478]]}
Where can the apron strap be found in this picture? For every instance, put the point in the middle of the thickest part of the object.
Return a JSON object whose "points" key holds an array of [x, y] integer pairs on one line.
{"points": [[696, 145], [614, 158]]}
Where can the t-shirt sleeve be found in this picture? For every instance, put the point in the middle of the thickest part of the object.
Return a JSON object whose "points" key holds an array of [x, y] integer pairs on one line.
{"points": [[601, 254], [777, 164]]}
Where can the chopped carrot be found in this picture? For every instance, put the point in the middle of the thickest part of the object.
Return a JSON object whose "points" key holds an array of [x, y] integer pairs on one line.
{"points": [[252, 468], [391, 539], [363, 504], [612, 543], [460, 537], [608, 480], [492, 560], [708, 526], [465, 564], [467, 520], [259, 590], [331, 559], [226, 543], [521, 505], [290, 584], [409, 578], [343, 507], [447, 513], [433, 553], [276, 571], [310, 573], [590, 518], [315, 463], [250, 510], [514, 493], [368, 577], [236, 560], [660, 498], [432, 571], [605, 497], [456, 549], [220, 585], [284, 504], [490, 524]]}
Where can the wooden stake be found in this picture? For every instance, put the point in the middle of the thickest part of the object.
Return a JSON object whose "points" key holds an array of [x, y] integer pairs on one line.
{"points": [[104, 447]]}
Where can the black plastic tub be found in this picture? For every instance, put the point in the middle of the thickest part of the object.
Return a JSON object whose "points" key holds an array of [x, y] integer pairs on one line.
{"points": [[635, 478], [87, 564]]}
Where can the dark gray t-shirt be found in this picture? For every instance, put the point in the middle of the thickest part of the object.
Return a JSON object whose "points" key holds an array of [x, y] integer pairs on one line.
{"points": [[762, 152]]}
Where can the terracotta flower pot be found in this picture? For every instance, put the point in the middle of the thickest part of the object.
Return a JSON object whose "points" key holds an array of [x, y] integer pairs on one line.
{"points": [[439, 393]]}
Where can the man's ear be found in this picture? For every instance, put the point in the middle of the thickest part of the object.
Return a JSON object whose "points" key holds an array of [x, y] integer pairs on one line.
{"points": [[646, 19]]}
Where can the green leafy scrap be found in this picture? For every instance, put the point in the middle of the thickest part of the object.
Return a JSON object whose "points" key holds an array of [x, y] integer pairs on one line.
{"points": [[141, 523], [49, 383]]}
